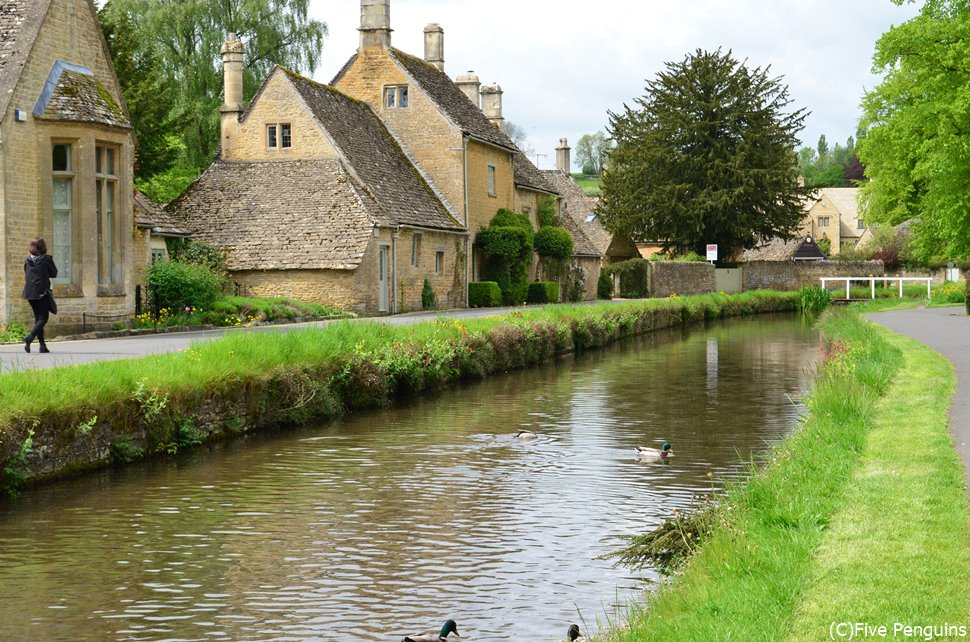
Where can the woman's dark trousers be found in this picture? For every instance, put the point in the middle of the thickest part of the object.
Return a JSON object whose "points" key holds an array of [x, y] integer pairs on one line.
{"points": [[42, 313]]}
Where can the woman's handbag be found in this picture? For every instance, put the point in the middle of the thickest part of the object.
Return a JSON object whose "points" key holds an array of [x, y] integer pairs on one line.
{"points": [[53, 306]]}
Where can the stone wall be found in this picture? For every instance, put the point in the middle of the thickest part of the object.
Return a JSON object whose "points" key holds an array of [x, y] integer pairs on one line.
{"points": [[668, 278], [793, 275], [340, 288], [279, 103], [70, 32]]}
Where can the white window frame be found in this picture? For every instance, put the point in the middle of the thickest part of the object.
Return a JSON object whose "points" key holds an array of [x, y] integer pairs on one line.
{"points": [[279, 136], [397, 97], [64, 261]]}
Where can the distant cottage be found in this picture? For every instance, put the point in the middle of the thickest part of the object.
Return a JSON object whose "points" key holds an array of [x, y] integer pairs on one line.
{"points": [[356, 193]]}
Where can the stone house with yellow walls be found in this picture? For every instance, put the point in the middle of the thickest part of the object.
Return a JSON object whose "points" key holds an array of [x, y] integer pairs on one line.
{"points": [[153, 226], [66, 161], [311, 197], [833, 214], [451, 130]]}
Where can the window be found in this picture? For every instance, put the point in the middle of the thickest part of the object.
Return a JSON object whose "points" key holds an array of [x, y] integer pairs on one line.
{"points": [[62, 173], [439, 263], [105, 195], [591, 218], [823, 221], [860, 224], [158, 255], [279, 136], [415, 249], [396, 97], [491, 179]]}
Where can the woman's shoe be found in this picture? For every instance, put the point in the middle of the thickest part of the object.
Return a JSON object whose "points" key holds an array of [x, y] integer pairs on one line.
{"points": [[43, 348], [27, 341]]}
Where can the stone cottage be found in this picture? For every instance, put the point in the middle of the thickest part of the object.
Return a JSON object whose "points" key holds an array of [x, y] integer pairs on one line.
{"points": [[153, 227], [311, 197], [66, 161], [833, 214], [452, 130]]}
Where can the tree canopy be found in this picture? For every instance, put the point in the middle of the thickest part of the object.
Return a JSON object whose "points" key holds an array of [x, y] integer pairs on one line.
{"points": [[917, 144], [822, 166], [706, 155], [185, 36], [591, 152]]}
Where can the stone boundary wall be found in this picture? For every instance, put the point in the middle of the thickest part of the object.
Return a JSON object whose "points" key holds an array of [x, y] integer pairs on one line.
{"points": [[794, 275], [668, 278]]}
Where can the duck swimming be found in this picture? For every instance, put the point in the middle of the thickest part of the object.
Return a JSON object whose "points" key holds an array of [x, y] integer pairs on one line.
{"points": [[527, 435], [449, 627], [652, 454], [572, 635]]}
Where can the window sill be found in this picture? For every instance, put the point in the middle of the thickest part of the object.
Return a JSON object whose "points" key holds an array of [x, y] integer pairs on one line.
{"points": [[67, 291], [111, 290]]}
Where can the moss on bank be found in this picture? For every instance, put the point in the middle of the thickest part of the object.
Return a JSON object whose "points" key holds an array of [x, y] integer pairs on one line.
{"points": [[84, 416], [845, 523]]}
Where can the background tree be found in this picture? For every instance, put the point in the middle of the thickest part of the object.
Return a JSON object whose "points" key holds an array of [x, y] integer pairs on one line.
{"points": [[823, 166], [186, 36], [705, 156], [917, 133], [518, 135], [591, 152], [149, 95]]}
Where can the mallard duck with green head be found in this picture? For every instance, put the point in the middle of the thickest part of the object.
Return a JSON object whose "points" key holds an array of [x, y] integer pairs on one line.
{"points": [[652, 454], [572, 635], [449, 627]]}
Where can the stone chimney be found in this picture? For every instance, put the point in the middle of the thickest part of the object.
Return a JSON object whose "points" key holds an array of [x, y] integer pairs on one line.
{"points": [[563, 162], [470, 85], [232, 106], [375, 23], [492, 104], [434, 46]]}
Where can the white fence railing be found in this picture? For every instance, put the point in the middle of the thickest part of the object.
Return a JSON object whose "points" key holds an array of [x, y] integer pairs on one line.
{"points": [[871, 280]]}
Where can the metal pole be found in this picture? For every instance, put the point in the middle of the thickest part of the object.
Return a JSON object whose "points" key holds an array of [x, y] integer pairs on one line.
{"points": [[848, 295], [872, 283], [929, 293], [900, 288]]}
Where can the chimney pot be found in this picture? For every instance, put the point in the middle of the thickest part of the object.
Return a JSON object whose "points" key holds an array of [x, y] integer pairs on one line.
{"points": [[471, 86], [563, 160], [492, 104], [375, 23], [434, 46]]}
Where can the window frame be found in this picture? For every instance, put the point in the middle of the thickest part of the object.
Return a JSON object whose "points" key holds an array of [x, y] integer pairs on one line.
{"points": [[395, 95], [278, 136], [439, 263], [106, 194], [69, 175], [826, 219], [416, 249], [492, 170]]}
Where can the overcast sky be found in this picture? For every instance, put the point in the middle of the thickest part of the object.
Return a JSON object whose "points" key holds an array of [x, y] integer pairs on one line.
{"points": [[562, 63]]}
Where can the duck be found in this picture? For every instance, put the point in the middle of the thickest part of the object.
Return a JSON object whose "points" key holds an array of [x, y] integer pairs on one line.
{"points": [[572, 635], [449, 627], [652, 454], [527, 435]]}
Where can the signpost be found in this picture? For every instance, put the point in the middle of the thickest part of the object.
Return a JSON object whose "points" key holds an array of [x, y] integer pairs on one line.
{"points": [[712, 253]]}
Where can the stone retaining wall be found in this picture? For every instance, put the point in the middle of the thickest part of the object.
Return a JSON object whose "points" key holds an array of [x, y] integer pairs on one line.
{"points": [[668, 278], [794, 275]]}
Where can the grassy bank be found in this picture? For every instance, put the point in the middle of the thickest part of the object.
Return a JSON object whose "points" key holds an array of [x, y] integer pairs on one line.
{"points": [[854, 518], [53, 421]]}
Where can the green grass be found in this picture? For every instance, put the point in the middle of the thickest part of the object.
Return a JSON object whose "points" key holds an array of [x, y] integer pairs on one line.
{"points": [[899, 546], [589, 183], [871, 468]]}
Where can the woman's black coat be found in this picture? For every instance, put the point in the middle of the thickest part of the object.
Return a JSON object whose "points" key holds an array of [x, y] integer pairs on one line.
{"points": [[39, 271]]}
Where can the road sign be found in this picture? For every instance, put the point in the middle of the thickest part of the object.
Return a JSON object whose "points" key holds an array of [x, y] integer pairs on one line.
{"points": [[711, 252]]}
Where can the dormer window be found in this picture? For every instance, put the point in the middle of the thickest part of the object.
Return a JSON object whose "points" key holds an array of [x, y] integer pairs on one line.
{"points": [[396, 97], [279, 136]]}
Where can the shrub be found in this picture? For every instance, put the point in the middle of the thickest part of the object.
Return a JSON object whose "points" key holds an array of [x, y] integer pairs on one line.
{"points": [[484, 294], [546, 212], [173, 284], [554, 243], [13, 332], [604, 287], [814, 299], [967, 295], [634, 277], [543, 292], [197, 253], [508, 218], [507, 246], [950, 292], [427, 296]]}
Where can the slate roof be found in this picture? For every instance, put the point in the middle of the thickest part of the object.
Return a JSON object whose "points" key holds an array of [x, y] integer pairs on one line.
{"points": [[579, 207], [278, 215], [20, 22], [453, 102], [400, 194], [152, 216], [801, 249], [79, 97]]}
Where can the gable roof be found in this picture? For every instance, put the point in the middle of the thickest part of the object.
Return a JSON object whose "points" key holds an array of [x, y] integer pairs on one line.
{"points": [[799, 249], [149, 215], [581, 208], [20, 22], [401, 195], [72, 93], [278, 215]]}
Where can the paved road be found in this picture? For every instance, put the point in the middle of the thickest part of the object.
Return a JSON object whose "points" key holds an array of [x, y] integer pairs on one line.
{"points": [[68, 353], [946, 330]]}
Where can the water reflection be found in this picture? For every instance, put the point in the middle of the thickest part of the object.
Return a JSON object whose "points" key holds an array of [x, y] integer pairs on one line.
{"points": [[392, 522]]}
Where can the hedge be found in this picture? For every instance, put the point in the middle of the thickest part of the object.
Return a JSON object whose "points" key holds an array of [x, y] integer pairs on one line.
{"points": [[554, 243], [543, 292], [484, 294], [604, 287], [634, 277]]}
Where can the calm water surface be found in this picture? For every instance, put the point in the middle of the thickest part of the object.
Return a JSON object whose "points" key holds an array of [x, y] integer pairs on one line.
{"points": [[392, 522]]}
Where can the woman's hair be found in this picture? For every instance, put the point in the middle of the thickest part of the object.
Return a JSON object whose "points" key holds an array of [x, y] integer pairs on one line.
{"points": [[38, 246]]}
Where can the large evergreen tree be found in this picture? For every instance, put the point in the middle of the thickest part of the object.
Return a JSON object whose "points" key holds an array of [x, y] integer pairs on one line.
{"points": [[187, 35], [705, 156], [917, 144]]}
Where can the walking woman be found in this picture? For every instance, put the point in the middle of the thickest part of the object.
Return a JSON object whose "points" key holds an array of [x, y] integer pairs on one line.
{"points": [[39, 269]]}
